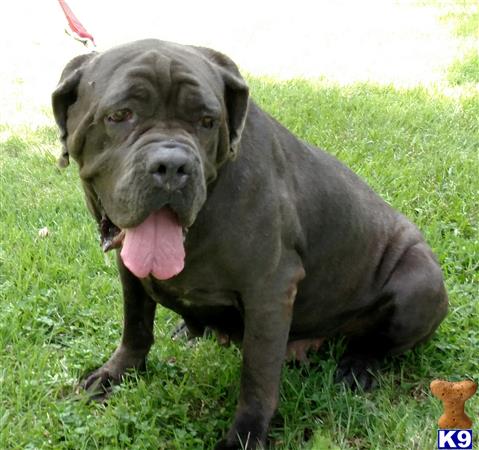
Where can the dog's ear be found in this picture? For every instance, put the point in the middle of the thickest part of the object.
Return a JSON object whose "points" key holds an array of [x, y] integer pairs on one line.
{"points": [[64, 96], [236, 95]]}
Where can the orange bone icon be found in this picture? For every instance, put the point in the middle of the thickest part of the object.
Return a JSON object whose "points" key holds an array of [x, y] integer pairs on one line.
{"points": [[453, 397]]}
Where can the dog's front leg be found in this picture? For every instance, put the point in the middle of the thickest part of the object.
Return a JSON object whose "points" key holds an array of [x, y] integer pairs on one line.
{"points": [[137, 338], [267, 317]]}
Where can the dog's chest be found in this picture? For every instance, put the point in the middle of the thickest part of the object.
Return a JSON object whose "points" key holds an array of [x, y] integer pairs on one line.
{"points": [[172, 293]]}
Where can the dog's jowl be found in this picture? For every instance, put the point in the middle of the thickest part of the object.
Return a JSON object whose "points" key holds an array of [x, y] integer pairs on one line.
{"points": [[219, 213]]}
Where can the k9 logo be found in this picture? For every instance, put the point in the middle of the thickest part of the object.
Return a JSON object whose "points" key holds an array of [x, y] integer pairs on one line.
{"points": [[457, 439]]}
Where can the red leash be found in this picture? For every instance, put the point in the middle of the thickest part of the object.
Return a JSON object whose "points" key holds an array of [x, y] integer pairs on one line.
{"points": [[79, 31]]}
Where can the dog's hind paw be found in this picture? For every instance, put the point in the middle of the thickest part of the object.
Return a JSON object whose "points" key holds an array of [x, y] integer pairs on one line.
{"points": [[357, 372]]}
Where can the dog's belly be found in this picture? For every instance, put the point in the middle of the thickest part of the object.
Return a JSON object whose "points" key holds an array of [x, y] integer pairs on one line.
{"points": [[323, 310]]}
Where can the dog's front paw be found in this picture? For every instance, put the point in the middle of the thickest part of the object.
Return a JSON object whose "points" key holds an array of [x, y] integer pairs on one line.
{"points": [[248, 433], [223, 445], [100, 382], [239, 444]]}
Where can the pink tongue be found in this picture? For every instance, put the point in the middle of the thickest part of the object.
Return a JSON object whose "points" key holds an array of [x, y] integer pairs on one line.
{"points": [[155, 246]]}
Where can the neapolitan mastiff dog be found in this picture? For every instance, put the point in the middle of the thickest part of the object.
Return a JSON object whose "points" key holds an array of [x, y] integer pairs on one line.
{"points": [[225, 217]]}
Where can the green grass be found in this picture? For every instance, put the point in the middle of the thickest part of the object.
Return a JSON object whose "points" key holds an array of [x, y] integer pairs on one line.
{"points": [[60, 312], [463, 16], [466, 69]]}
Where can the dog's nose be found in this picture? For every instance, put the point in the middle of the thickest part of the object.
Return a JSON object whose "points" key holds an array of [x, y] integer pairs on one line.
{"points": [[170, 167]]}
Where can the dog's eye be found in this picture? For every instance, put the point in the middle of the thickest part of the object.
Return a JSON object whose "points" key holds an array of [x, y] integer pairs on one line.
{"points": [[207, 122], [121, 115]]}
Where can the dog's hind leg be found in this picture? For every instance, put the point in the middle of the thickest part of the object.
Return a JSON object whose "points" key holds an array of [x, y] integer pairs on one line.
{"points": [[412, 304]]}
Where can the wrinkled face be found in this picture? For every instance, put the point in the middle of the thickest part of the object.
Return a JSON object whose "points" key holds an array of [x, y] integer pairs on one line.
{"points": [[149, 125]]}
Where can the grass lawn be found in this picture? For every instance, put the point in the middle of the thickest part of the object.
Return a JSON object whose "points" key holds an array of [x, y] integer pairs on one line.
{"points": [[61, 311]]}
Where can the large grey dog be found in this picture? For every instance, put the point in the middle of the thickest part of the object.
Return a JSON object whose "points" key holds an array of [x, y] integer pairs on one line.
{"points": [[225, 217]]}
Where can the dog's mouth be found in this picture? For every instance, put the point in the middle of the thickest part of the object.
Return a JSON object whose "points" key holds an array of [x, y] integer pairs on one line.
{"points": [[154, 247], [111, 236]]}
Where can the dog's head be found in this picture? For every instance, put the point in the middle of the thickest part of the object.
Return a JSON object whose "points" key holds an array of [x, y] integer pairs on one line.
{"points": [[149, 124]]}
